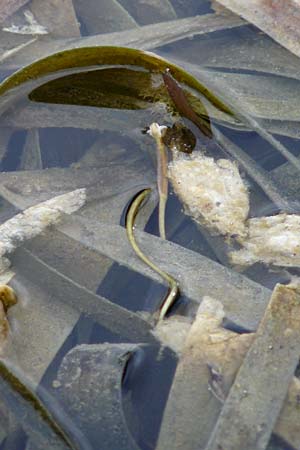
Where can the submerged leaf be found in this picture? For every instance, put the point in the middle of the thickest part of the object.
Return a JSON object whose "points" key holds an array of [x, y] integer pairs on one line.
{"points": [[89, 383], [149, 11], [258, 393], [209, 362], [279, 19], [143, 38], [102, 16], [8, 8], [37, 420], [116, 56], [119, 88]]}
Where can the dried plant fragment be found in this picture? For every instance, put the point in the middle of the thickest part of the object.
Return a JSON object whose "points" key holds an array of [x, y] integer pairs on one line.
{"points": [[278, 18], [35, 219], [8, 298], [145, 38], [40, 424], [213, 192], [102, 16], [62, 24], [210, 356], [256, 398], [90, 384], [208, 364], [7, 8], [271, 240]]}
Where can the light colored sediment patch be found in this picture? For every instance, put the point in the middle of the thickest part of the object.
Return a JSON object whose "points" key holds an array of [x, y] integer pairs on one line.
{"points": [[271, 240], [212, 191]]}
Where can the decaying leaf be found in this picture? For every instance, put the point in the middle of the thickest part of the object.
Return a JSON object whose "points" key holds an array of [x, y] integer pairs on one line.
{"points": [[31, 157], [209, 361], [209, 353], [8, 298], [89, 383], [7, 8], [278, 18], [146, 38], [102, 16], [57, 16], [255, 400], [213, 192], [271, 240], [149, 11], [17, 392]]}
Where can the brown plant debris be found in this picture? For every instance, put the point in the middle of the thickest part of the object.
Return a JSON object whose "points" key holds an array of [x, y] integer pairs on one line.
{"points": [[8, 298], [278, 18], [211, 358], [7, 8], [261, 385], [57, 16]]}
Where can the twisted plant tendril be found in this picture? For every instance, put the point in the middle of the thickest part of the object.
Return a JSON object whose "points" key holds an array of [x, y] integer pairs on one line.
{"points": [[173, 291]]}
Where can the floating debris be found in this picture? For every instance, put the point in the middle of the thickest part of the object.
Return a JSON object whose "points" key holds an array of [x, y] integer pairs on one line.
{"points": [[271, 240], [32, 27], [213, 192], [35, 219]]}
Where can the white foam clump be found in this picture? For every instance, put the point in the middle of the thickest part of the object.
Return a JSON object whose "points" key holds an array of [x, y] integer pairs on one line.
{"points": [[156, 130], [212, 191], [271, 240], [32, 221], [31, 27]]}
